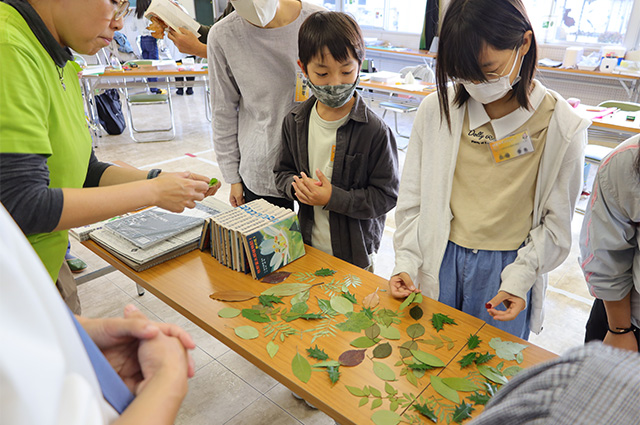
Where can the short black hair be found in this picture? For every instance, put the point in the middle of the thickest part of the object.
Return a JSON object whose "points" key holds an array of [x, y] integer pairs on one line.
{"points": [[467, 28], [337, 31], [141, 7]]}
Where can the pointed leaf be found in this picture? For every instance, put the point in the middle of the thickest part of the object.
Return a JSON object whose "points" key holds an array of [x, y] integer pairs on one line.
{"points": [[418, 298], [232, 296], [407, 301], [376, 403], [287, 289], [467, 360], [352, 357], [372, 300], [383, 371], [483, 358], [246, 332], [460, 384], [462, 412], [349, 296], [415, 331], [439, 320], [327, 363], [272, 349], [512, 371], [385, 417], [324, 272], [373, 331], [341, 305], [355, 391], [416, 312], [255, 315], [375, 392], [425, 411], [301, 297], [506, 350], [406, 347], [382, 351], [479, 399], [228, 312], [445, 391], [357, 322], [492, 374], [389, 332], [364, 342], [426, 358], [301, 368], [276, 277], [389, 389], [334, 373], [363, 401], [411, 377], [317, 353], [473, 341]]}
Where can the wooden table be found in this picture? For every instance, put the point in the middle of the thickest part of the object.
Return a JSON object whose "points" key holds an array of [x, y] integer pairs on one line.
{"points": [[186, 282], [393, 88]]}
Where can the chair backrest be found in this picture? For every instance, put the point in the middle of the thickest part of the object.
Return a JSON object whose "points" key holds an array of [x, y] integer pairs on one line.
{"points": [[621, 105]]}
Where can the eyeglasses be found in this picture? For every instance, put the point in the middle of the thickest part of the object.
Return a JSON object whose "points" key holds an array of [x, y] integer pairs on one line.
{"points": [[121, 10]]}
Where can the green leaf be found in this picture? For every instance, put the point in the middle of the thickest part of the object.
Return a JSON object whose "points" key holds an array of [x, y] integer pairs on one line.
{"points": [[375, 392], [460, 384], [506, 350], [389, 389], [301, 368], [418, 298], [385, 417], [479, 399], [272, 349], [357, 322], [376, 403], [301, 297], [411, 378], [355, 391], [483, 358], [519, 357], [382, 351], [317, 353], [462, 412], [393, 406], [389, 332], [364, 342], [439, 320], [425, 411], [385, 317], [383, 371], [325, 307], [416, 312], [467, 360], [373, 331], [406, 347], [312, 316], [512, 371], [334, 373], [435, 341], [341, 305], [444, 390], [473, 341], [419, 366], [269, 300], [255, 315], [492, 374], [407, 301], [228, 312], [349, 296], [363, 401], [415, 331], [426, 358], [324, 272], [286, 289], [328, 363], [299, 308], [246, 332]]}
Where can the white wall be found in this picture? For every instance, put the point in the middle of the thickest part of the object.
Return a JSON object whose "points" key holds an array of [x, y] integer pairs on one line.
{"points": [[190, 6]]}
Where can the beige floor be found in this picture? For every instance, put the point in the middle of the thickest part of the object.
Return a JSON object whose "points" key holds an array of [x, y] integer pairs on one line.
{"points": [[226, 388]]}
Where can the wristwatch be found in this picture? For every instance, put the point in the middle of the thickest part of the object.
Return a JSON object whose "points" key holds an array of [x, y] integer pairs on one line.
{"points": [[153, 173]]}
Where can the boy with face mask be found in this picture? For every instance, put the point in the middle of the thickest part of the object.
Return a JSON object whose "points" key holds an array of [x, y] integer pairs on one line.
{"points": [[338, 158], [252, 70]]}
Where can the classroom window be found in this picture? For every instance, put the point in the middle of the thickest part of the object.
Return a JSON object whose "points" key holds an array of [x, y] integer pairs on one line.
{"points": [[583, 21]]}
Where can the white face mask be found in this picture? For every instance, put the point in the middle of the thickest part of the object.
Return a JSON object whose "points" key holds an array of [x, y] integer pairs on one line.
{"points": [[490, 91], [258, 12]]}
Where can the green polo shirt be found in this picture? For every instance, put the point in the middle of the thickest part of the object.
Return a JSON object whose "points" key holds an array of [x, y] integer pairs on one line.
{"points": [[39, 116]]}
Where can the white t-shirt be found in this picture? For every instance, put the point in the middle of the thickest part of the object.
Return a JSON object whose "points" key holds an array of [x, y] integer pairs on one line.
{"points": [[45, 373], [322, 148]]}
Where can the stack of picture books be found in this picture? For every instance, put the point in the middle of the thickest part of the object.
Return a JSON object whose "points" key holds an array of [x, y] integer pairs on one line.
{"points": [[256, 238], [152, 236]]}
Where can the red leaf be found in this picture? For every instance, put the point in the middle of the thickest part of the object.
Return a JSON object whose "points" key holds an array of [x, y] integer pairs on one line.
{"points": [[352, 357]]}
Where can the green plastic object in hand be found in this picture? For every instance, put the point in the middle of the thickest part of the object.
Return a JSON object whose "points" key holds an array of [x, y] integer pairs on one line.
{"points": [[213, 182]]}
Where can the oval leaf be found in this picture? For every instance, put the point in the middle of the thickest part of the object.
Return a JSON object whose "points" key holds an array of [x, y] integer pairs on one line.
{"points": [[389, 332], [407, 301], [341, 305], [364, 342], [383, 371], [372, 300], [255, 315], [272, 349], [228, 312], [382, 351], [442, 389], [352, 357], [246, 332], [460, 384], [415, 331], [416, 312], [492, 374], [406, 347], [355, 391], [327, 363], [386, 417], [232, 296], [376, 403], [426, 358], [301, 368], [373, 331]]}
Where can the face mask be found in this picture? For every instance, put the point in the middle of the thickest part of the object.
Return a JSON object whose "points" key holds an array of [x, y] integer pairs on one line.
{"points": [[258, 12], [333, 96], [490, 91]]}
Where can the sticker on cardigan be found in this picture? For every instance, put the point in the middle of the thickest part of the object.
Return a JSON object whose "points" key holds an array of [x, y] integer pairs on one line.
{"points": [[511, 147], [302, 89]]}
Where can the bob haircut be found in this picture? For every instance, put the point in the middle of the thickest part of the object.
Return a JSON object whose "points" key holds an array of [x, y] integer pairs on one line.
{"points": [[336, 31], [468, 26]]}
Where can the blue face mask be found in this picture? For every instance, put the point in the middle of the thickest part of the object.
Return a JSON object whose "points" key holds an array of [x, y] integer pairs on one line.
{"points": [[333, 96]]}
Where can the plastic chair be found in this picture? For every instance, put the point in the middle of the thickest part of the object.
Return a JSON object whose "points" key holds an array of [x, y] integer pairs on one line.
{"points": [[145, 100]]}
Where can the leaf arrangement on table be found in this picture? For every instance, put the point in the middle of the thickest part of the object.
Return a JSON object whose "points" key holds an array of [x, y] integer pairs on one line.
{"points": [[456, 396]]}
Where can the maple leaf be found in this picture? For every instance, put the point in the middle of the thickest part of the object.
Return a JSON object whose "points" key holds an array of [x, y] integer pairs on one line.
{"points": [[479, 399], [324, 272], [334, 373], [424, 410], [462, 412], [473, 341], [269, 300], [483, 358], [317, 353], [439, 320], [467, 360]]}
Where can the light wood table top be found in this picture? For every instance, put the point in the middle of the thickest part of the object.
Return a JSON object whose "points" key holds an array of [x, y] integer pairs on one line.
{"points": [[186, 282], [426, 89]]}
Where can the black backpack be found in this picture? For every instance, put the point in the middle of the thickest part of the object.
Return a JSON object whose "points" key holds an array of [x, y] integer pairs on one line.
{"points": [[110, 111]]}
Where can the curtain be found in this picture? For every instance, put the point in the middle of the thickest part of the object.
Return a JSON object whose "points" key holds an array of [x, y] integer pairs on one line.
{"points": [[430, 27]]}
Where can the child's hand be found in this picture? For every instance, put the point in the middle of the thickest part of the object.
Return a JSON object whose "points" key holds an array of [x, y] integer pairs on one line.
{"points": [[513, 304], [401, 286], [312, 192]]}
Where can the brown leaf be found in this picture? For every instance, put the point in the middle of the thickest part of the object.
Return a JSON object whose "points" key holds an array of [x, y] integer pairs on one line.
{"points": [[352, 357], [276, 277], [371, 300], [232, 296]]}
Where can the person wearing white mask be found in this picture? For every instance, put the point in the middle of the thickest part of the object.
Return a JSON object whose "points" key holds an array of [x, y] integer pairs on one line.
{"points": [[252, 69], [493, 171]]}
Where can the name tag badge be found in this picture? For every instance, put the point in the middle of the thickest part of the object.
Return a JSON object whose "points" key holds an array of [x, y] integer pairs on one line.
{"points": [[302, 90], [333, 153], [511, 147]]}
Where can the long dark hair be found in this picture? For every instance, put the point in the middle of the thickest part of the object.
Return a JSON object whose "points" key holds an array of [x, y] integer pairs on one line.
{"points": [[468, 26], [141, 7]]}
